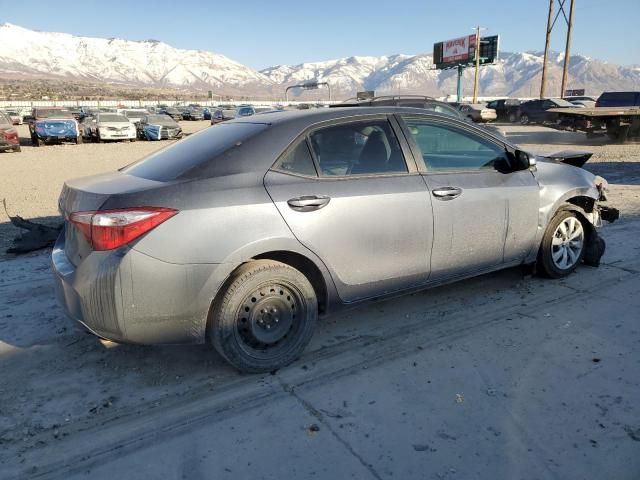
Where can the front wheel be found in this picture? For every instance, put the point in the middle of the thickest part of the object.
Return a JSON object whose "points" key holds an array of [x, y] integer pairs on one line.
{"points": [[524, 119], [563, 245], [264, 318]]}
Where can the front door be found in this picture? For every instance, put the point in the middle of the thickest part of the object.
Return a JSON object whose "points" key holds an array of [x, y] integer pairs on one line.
{"points": [[482, 217], [348, 195]]}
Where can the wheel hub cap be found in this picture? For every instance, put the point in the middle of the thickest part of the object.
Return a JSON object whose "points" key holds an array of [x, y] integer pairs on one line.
{"points": [[567, 243]]}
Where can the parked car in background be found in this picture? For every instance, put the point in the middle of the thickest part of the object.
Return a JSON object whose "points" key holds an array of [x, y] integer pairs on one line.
{"points": [[193, 113], [207, 112], [53, 124], [165, 243], [173, 112], [619, 99], [15, 116], [581, 101], [9, 140], [134, 114], [478, 112], [535, 111], [158, 127], [222, 115], [108, 127], [244, 111], [506, 109]]}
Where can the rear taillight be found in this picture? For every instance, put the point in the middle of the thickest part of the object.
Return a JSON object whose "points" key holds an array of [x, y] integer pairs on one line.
{"points": [[109, 229]]}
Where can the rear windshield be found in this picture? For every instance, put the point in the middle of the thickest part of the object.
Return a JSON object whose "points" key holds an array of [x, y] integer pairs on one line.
{"points": [[195, 151]]}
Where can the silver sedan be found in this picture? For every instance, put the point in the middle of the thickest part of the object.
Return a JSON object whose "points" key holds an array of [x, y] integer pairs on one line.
{"points": [[243, 234]]}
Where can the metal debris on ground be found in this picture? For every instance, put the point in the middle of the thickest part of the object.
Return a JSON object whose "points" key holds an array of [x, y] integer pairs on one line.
{"points": [[38, 236]]}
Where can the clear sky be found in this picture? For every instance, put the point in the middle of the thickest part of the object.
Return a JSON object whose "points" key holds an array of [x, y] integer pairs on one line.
{"points": [[265, 33]]}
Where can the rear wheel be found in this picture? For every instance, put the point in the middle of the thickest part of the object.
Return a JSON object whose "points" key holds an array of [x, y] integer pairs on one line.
{"points": [[563, 245], [265, 317], [524, 119], [17, 149]]}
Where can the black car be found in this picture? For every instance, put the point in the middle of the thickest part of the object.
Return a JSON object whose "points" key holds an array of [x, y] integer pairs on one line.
{"points": [[158, 127], [506, 109], [536, 111], [193, 113], [172, 112]]}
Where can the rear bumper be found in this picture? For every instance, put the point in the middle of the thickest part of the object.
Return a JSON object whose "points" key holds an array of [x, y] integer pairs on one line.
{"points": [[126, 296]]}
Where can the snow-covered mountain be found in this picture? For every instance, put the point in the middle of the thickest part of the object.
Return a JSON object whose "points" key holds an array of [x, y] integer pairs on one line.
{"points": [[28, 54], [151, 63], [515, 74]]}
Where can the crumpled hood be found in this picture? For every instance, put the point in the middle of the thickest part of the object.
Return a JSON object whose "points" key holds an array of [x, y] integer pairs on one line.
{"points": [[57, 127], [563, 177]]}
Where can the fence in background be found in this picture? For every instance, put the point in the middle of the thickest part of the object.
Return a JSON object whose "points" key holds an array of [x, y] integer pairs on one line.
{"points": [[136, 103]]}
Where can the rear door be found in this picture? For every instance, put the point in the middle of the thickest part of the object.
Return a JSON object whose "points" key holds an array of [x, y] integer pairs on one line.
{"points": [[483, 218], [348, 194]]}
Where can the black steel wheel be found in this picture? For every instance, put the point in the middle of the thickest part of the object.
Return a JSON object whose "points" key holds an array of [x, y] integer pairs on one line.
{"points": [[265, 317], [524, 119]]}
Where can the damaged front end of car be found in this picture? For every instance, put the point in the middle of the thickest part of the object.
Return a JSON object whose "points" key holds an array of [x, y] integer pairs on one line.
{"points": [[566, 185]]}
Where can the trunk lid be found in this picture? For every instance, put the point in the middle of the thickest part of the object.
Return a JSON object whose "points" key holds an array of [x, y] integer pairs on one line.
{"points": [[90, 193]]}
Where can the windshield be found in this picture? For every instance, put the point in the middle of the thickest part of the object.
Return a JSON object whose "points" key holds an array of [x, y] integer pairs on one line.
{"points": [[113, 118], [53, 113], [245, 111]]}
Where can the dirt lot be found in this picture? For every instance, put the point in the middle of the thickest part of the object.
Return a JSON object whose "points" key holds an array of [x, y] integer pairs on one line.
{"points": [[503, 376]]}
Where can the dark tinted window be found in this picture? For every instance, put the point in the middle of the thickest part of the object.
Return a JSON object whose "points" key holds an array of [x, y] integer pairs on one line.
{"points": [[358, 148], [194, 151], [297, 160], [448, 148]]}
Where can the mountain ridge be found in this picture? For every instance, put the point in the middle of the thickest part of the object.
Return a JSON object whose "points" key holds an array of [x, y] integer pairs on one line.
{"points": [[151, 63]]}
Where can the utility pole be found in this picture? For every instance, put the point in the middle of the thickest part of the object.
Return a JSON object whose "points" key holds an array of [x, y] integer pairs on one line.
{"points": [[567, 50], [546, 50], [475, 80], [459, 89]]}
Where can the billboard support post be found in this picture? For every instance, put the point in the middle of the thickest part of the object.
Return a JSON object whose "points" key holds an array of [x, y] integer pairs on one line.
{"points": [[459, 89], [475, 78]]}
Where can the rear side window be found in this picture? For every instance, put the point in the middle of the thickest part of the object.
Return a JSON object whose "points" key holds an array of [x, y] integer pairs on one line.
{"points": [[358, 148], [298, 161], [446, 148], [195, 151]]}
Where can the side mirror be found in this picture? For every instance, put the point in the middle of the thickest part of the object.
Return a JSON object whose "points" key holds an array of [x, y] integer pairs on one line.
{"points": [[520, 160]]}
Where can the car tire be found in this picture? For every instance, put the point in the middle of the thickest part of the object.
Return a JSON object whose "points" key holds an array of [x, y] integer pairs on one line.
{"points": [[79, 140], [524, 119], [264, 317], [17, 149], [563, 245], [513, 118], [37, 141]]}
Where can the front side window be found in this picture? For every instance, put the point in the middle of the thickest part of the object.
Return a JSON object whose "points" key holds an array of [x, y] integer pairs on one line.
{"points": [[358, 148], [447, 148]]}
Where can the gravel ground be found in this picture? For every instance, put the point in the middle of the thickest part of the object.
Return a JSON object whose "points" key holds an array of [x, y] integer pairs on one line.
{"points": [[31, 180]]}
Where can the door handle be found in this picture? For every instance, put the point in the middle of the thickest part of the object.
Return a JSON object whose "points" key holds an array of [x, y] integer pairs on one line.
{"points": [[447, 193], [308, 203]]}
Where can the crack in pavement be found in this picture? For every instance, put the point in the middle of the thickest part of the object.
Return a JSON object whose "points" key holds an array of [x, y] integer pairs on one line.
{"points": [[317, 414]]}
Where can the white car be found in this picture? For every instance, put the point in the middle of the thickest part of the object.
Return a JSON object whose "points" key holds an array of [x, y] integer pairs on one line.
{"points": [[15, 116], [109, 126]]}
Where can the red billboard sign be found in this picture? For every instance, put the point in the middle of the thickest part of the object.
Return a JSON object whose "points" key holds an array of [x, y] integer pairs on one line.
{"points": [[459, 49]]}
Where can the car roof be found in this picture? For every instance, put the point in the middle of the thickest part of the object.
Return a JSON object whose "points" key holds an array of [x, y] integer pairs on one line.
{"points": [[306, 118]]}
